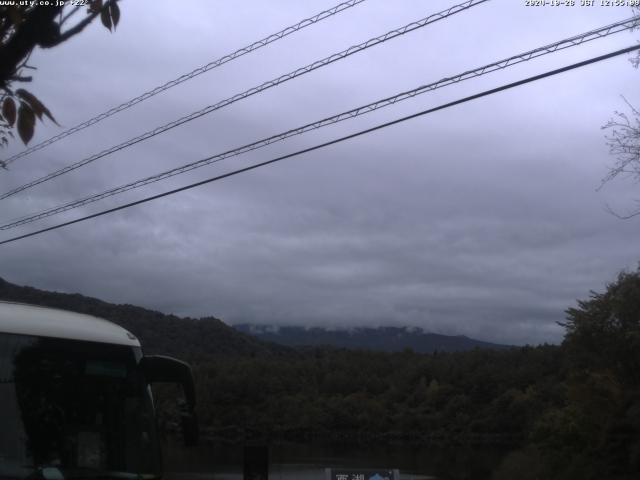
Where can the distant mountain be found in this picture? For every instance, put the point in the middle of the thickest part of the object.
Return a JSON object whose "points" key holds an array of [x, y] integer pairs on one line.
{"points": [[388, 339], [186, 338], [209, 337]]}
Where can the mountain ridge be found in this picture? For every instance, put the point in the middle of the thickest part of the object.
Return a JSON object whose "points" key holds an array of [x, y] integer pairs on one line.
{"points": [[159, 333], [208, 337], [384, 338]]}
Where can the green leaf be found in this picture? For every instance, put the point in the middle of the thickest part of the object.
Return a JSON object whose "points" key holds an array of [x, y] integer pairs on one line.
{"points": [[105, 17], [115, 13], [33, 102], [26, 122], [9, 111], [36, 105]]}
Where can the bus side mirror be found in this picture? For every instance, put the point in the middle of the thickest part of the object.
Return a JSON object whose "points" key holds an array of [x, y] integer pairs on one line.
{"points": [[160, 368]]}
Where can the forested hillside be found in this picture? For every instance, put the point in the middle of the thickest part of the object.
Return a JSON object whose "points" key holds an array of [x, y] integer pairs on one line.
{"points": [[188, 338]]}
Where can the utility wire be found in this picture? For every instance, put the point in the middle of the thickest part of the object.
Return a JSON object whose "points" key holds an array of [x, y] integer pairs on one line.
{"points": [[188, 76], [252, 91], [335, 141], [501, 64]]}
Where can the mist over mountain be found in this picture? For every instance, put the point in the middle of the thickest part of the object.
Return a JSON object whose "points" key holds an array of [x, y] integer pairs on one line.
{"points": [[209, 336], [386, 339]]}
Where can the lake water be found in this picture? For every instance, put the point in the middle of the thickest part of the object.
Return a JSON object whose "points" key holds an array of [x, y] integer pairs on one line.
{"points": [[292, 461]]}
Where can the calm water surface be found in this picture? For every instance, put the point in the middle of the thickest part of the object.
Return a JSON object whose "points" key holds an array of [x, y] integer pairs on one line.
{"points": [[308, 461]]}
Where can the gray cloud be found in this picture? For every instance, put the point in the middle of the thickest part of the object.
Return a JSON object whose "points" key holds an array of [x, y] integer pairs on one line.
{"points": [[480, 220]]}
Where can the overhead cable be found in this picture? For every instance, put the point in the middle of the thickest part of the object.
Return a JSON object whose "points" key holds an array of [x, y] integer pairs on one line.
{"points": [[476, 72], [252, 91], [332, 142], [188, 76]]}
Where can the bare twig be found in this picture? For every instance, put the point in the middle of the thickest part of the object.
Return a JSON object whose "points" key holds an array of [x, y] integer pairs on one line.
{"points": [[624, 143], [633, 213]]}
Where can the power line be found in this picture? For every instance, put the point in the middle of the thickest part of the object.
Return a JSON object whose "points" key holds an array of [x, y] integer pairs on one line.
{"points": [[335, 141], [501, 64], [252, 91], [188, 76]]}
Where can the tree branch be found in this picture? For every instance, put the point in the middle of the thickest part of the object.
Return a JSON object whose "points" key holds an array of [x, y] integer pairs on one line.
{"points": [[68, 15], [82, 24], [622, 217], [29, 34], [19, 78]]}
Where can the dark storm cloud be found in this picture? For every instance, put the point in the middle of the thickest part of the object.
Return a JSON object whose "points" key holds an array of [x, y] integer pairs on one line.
{"points": [[480, 220]]}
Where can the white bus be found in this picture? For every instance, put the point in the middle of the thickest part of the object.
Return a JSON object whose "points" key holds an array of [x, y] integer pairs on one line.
{"points": [[75, 398]]}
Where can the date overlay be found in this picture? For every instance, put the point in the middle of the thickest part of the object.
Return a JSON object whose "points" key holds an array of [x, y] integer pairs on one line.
{"points": [[582, 3]]}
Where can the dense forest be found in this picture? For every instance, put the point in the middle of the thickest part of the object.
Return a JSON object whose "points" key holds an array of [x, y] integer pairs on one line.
{"points": [[567, 412]]}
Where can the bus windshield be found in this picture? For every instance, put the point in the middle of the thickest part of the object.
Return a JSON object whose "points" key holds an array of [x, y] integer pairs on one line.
{"points": [[74, 409]]}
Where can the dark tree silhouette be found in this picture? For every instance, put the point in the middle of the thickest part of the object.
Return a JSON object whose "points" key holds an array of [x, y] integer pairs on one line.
{"points": [[623, 139], [22, 29], [624, 143]]}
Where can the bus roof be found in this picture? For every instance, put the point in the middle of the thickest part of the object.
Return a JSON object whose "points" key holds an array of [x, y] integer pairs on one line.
{"points": [[20, 318]]}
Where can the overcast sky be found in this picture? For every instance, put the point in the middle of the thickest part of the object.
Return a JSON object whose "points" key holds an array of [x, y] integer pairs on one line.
{"points": [[482, 219]]}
